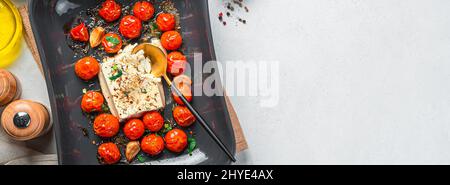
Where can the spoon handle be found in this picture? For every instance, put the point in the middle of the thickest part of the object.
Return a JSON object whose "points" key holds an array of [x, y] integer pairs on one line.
{"points": [[203, 123]]}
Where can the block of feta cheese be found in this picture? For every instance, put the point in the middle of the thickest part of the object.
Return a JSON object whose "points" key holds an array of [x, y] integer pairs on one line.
{"points": [[128, 86]]}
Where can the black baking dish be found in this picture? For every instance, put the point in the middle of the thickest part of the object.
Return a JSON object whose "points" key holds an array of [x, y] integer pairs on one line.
{"points": [[49, 19]]}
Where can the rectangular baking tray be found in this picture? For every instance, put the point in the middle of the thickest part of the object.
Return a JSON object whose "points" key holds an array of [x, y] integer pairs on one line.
{"points": [[50, 18]]}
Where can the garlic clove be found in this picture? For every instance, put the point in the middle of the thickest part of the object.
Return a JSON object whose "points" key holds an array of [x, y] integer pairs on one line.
{"points": [[96, 36], [132, 150]]}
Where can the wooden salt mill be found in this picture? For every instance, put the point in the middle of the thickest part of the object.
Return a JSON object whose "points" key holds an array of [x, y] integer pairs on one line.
{"points": [[9, 87], [25, 120]]}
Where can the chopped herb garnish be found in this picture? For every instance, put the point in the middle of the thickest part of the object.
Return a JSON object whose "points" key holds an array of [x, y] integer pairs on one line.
{"points": [[155, 32], [118, 73], [113, 40], [141, 158], [192, 143], [167, 127], [154, 25], [105, 108]]}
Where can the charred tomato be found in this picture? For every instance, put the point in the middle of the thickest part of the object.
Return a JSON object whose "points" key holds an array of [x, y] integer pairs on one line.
{"points": [[92, 101], [152, 144], [176, 140], [153, 121], [106, 125], [130, 27], [134, 129], [110, 10], [87, 68]]}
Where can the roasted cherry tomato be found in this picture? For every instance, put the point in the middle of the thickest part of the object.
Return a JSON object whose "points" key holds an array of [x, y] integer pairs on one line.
{"points": [[143, 10], [106, 125], [165, 21], [109, 153], [130, 27], [152, 144], [87, 68], [134, 129], [187, 93], [80, 33], [110, 10], [176, 63], [92, 101], [176, 140], [153, 121], [183, 83], [112, 43], [171, 40], [183, 116]]}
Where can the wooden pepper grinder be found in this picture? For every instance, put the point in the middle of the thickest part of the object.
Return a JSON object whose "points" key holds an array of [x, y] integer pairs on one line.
{"points": [[25, 120], [9, 87]]}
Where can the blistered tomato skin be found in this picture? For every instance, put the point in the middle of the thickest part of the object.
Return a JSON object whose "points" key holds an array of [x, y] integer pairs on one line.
{"points": [[130, 27], [109, 153], [176, 140], [176, 63], [110, 10], [183, 83], [171, 40], [152, 144], [183, 116], [143, 10], [134, 129], [106, 125], [87, 68], [166, 21], [112, 43], [153, 121], [80, 33], [187, 93], [92, 101]]}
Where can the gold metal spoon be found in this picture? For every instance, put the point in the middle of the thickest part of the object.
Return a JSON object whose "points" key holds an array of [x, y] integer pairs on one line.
{"points": [[158, 59], [159, 69]]}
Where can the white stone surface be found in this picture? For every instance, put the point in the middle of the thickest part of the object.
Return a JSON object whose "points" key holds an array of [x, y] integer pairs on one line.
{"points": [[363, 81]]}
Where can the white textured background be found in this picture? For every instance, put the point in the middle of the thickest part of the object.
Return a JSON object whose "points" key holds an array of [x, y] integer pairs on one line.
{"points": [[362, 81]]}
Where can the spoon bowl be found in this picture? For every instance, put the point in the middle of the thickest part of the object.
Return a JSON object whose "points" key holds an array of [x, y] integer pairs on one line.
{"points": [[157, 57]]}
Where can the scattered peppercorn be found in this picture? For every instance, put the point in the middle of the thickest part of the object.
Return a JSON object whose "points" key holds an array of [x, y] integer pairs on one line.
{"points": [[230, 6]]}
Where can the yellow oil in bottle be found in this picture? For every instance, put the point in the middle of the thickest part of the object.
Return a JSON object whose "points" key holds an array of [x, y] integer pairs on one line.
{"points": [[10, 33]]}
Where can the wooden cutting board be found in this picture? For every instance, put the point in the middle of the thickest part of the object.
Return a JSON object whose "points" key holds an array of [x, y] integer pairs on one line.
{"points": [[241, 143]]}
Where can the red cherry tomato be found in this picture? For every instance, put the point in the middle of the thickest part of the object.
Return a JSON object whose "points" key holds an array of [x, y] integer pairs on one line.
{"points": [[130, 27], [109, 153], [143, 10], [153, 121], [152, 144], [92, 101], [176, 140], [134, 129], [165, 21], [171, 40], [80, 33], [183, 116], [187, 93], [110, 10], [106, 125], [183, 83], [176, 63], [112, 43], [87, 68]]}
